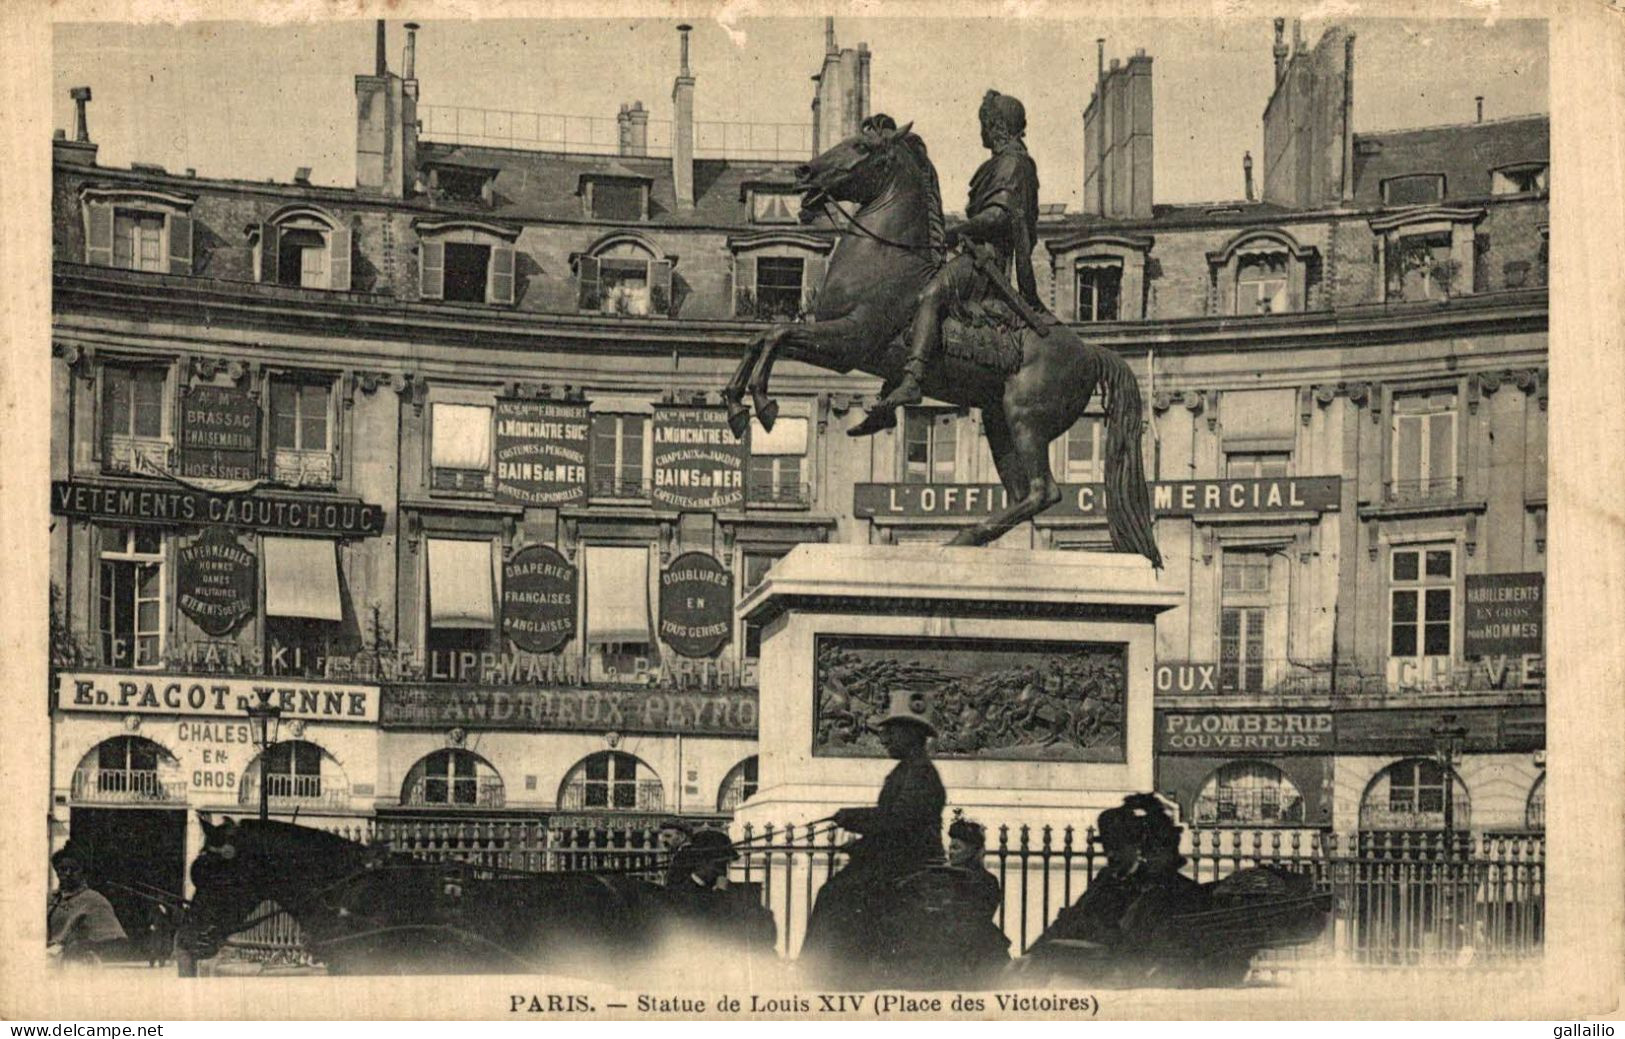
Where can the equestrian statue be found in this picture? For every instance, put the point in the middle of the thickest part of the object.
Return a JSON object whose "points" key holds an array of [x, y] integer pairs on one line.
{"points": [[972, 338]]}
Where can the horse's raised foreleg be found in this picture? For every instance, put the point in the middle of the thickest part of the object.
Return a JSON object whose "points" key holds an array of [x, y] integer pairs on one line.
{"points": [[733, 394], [767, 409], [1021, 453]]}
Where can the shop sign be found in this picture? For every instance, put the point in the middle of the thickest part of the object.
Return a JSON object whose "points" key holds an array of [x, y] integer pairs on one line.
{"points": [[541, 452], [539, 599], [1265, 732], [718, 713], [1187, 678], [189, 506], [134, 692], [219, 434], [216, 581], [1168, 498], [698, 463], [696, 605], [1411, 731], [1505, 615], [214, 754]]}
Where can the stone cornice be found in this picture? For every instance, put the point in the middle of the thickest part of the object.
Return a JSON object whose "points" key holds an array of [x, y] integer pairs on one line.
{"points": [[147, 297]]}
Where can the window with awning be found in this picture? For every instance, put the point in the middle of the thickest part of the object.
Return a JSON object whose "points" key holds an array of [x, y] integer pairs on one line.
{"points": [[302, 579], [461, 437], [776, 470], [618, 595], [1259, 421], [462, 584]]}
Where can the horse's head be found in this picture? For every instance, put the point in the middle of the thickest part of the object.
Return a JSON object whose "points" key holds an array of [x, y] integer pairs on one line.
{"points": [[857, 169], [247, 862]]}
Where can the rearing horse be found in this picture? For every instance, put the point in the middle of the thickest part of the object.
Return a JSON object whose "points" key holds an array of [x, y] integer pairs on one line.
{"points": [[884, 259]]}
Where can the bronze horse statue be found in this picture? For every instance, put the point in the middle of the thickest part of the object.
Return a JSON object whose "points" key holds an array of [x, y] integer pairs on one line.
{"points": [[888, 251]]}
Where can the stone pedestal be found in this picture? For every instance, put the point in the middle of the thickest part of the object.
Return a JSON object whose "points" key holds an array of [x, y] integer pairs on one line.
{"points": [[1022, 622]]}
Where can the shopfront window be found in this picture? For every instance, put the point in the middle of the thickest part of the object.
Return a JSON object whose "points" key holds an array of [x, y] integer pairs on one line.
{"points": [[132, 598], [613, 781], [1410, 795], [456, 779], [1249, 793]]}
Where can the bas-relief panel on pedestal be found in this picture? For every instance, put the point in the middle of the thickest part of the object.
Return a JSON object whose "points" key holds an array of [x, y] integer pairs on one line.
{"points": [[991, 699]]}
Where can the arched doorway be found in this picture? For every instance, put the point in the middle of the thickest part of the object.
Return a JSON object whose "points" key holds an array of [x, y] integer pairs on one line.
{"points": [[1409, 797], [453, 778], [738, 786], [127, 813]]}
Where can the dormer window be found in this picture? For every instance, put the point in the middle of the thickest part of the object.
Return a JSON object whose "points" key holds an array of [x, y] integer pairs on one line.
{"points": [[772, 204], [302, 247], [777, 274], [138, 230], [625, 274], [1262, 270], [615, 193], [1099, 277], [1427, 253], [1527, 178], [456, 182], [466, 261], [1416, 189]]}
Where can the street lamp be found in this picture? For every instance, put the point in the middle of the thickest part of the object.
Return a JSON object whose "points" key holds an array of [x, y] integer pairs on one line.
{"points": [[265, 719], [1447, 742]]}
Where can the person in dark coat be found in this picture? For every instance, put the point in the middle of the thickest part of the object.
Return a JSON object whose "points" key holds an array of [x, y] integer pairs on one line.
{"points": [[901, 834], [1001, 220], [973, 941], [700, 900], [81, 923]]}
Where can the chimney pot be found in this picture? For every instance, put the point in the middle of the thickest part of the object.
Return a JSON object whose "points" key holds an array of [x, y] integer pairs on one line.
{"points": [[301, 175], [59, 134], [410, 71], [1247, 172], [380, 59], [81, 128], [1480, 100], [683, 31]]}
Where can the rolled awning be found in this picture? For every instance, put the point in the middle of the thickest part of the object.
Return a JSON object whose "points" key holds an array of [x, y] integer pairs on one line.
{"points": [[789, 437], [461, 438], [1259, 420], [461, 584], [302, 579], [617, 595]]}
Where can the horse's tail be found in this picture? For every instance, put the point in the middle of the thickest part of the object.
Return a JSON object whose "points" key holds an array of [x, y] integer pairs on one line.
{"points": [[1128, 501]]}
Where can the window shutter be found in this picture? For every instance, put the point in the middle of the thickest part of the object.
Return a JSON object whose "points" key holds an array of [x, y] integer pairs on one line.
{"points": [[499, 287], [660, 287], [432, 270], [99, 234], [338, 259], [744, 286], [270, 252], [180, 244], [812, 279], [587, 296]]}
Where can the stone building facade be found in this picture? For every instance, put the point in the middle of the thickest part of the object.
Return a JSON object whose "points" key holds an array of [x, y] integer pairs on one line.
{"points": [[418, 462]]}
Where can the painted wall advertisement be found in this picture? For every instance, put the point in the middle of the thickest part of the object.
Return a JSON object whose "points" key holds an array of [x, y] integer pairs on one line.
{"points": [[1505, 615], [539, 599], [137, 692], [173, 505], [541, 452], [716, 713], [698, 464], [696, 605], [1256, 732], [219, 434]]}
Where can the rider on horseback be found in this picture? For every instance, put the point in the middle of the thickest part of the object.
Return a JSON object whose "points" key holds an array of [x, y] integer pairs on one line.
{"points": [[1002, 220]]}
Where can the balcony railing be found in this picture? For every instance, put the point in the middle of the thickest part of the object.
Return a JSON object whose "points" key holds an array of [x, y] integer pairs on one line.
{"points": [[295, 468], [124, 454], [1249, 808], [296, 791], [645, 795], [124, 786], [1387, 817], [1433, 489], [783, 493], [435, 792], [619, 485], [464, 481]]}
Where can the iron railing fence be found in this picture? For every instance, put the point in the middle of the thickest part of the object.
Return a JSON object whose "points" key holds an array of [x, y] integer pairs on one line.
{"points": [[126, 786], [1399, 899], [601, 135]]}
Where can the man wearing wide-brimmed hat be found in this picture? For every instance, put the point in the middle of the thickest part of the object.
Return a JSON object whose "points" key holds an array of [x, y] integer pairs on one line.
{"points": [[900, 834]]}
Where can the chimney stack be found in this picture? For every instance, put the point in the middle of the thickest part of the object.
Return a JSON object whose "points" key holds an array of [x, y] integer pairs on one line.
{"points": [[682, 138], [380, 60], [1280, 49], [409, 65], [1247, 173], [1480, 100], [829, 36], [632, 124], [841, 96], [80, 151], [386, 128], [1117, 139]]}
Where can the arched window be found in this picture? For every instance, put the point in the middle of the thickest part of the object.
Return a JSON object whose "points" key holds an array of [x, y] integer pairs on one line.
{"points": [[296, 772], [739, 786], [1249, 793], [1261, 271], [302, 246], [613, 781], [624, 273], [454, 779], [128, 770], [1534, 816], [1409, 795]]}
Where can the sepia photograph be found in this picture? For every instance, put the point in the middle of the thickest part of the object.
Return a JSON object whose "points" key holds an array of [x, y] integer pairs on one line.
{"points": [[981, 514]]}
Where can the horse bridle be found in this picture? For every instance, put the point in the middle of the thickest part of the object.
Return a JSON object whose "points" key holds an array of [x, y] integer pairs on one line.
{"points": [[830, 210]]}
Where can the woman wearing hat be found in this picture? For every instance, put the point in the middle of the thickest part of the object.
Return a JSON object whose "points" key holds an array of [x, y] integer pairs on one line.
{"points": [[900, 834]]}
